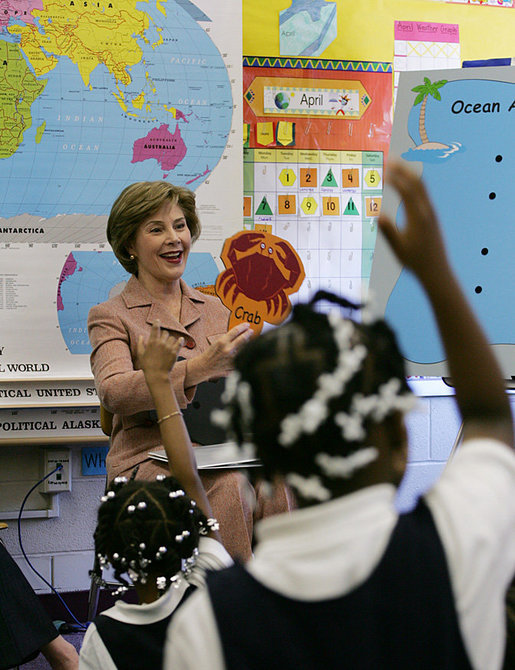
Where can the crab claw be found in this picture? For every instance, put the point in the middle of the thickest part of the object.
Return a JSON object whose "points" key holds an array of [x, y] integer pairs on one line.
{"points": [[290, 262]]}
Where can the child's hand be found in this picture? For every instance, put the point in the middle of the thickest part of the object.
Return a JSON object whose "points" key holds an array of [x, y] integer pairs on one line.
{"points": [[158, 355], [419, 244]]}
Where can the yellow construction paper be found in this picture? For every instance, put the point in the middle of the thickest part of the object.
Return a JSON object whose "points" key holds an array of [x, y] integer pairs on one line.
{"points": [[265, 133], [285, 133], [366, 28]]}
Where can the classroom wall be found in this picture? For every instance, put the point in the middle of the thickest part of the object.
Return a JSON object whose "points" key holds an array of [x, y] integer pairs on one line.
{"points": [[62, 547]]}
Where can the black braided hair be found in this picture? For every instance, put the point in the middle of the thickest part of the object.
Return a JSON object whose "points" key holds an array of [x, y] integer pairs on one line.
{"points": [[133, 539], [282, 367]]}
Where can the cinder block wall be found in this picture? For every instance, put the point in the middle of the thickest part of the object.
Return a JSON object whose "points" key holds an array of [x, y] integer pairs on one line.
{"points": [[60, 548], [432, 428]]}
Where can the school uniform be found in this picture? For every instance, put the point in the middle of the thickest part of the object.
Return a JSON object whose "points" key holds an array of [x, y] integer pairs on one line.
{"points": [[329, 555], [131, 637]]}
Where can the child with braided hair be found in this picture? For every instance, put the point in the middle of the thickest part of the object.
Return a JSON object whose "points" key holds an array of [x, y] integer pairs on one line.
{"points": [[345, 581], [159, 534]]}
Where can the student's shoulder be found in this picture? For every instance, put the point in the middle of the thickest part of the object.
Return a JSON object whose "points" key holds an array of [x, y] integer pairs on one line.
{"points": [[212, 556], [485, 451], [463, 494], [184, 646]]}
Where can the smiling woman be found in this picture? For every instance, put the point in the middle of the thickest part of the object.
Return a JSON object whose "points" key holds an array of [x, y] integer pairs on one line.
{"points": [[161, 247], [151, 228]]}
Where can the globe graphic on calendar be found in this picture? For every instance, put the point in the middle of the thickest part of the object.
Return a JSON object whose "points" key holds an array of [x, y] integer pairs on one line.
{"points": [[101, 94], [282, 100]]}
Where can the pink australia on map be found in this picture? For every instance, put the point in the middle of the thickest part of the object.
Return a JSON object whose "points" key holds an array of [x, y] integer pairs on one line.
{"points": [[18, 9], [167, 148]]}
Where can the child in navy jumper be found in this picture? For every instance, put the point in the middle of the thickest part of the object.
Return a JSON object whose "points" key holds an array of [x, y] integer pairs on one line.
{"points": [[156, 533], [344, 581]]}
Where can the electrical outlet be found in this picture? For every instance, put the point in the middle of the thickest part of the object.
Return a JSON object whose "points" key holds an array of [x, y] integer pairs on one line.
{"points": [[61, 480]]}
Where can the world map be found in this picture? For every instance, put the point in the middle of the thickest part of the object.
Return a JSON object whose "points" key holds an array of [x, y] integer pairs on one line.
{"points": [[91, 277], [99, 94]]}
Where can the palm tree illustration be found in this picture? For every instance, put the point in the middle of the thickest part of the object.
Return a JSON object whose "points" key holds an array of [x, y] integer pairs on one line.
{"points": [[424, 91]]}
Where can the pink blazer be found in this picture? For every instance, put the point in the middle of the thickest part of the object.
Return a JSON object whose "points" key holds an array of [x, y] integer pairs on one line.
{"points": [[114, 328]]}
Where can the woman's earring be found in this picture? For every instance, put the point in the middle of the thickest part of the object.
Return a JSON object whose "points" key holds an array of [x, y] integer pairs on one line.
{"points": [[132, 257]]}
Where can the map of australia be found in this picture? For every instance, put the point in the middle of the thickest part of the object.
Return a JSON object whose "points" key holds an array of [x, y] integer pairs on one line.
{"points": [[167, 148]]}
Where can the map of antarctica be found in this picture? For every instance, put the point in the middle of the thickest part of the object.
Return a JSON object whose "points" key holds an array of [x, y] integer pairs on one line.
{"points": [[90, 277]]}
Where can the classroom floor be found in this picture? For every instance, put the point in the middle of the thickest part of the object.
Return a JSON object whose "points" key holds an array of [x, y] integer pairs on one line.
{"points": [[40, 663]]}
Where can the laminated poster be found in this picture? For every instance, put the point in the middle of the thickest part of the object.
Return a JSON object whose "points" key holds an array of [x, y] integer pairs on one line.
{"points": [[457, 129], [137, 92]]}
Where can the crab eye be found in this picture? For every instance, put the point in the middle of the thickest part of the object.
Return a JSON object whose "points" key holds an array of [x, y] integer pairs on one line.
{"points": [[270, 250], [262, 245]]}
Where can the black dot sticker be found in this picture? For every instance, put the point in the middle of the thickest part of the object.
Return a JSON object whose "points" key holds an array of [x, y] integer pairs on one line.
{"points": [[498, 159], [478, 289], [491, 196], [484, 251]]}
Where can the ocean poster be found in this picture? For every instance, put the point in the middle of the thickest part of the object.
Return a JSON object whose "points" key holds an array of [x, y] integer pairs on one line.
{"points": [[457, 129]]}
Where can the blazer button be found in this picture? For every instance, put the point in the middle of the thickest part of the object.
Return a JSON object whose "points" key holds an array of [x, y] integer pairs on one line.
{"points": [[190, 344]]}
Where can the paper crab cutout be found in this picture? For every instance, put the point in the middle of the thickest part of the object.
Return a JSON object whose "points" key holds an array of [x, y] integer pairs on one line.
{"points": [[262, 272]]}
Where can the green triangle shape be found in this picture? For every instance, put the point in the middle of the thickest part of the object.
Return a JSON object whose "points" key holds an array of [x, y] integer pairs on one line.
{"points": [[264, 207], [351, 208], [330, 179]]}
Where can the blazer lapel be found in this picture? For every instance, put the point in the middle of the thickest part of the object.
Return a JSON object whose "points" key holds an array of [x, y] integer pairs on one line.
{"points": [[135, 295], [192, 302]]}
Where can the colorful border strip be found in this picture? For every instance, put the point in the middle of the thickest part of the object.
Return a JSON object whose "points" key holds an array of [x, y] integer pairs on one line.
{"points": [[316, 64]]}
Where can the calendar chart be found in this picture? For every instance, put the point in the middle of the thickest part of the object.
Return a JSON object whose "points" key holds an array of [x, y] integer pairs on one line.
{"points": [[316, 135], [324, 203]]}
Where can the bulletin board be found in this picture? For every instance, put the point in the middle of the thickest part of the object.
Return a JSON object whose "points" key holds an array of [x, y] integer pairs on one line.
{"points": [[316, 136], [365, 29]]}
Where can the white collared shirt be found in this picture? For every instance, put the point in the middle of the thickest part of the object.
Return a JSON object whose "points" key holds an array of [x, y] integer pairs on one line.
{"points": [[326, 550], [94, 654]]}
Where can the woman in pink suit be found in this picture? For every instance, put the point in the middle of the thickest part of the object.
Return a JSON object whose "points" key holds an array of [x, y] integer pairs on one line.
{"points": [[151, 228]]}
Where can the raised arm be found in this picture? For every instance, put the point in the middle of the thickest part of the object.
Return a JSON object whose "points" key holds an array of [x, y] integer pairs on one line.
{"points": [[156, 358], [480, 389]]}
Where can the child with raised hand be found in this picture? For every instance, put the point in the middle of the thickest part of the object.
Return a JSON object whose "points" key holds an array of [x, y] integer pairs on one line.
{"points": [[159, 534], [344, 581]]}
